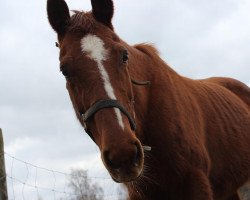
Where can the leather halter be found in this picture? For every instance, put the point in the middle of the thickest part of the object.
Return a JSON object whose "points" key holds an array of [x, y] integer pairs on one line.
{"points": [[99, 105]]}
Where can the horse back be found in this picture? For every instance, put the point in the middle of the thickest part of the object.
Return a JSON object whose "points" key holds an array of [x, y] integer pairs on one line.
{"points": [[235, 86]]}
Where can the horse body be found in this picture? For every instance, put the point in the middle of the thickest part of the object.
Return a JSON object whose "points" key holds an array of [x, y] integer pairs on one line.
{"points": [[199, 130], [200, 125]]}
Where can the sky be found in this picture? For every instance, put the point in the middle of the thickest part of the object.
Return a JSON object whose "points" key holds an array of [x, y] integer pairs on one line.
{"points": [[198, 39]]}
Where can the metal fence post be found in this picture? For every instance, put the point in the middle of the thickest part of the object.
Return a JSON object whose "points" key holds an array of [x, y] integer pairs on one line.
{"points": [[3, 183]]}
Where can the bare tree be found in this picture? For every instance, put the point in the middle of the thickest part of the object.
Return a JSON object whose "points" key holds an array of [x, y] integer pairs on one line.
{"points": [[81, 185]]}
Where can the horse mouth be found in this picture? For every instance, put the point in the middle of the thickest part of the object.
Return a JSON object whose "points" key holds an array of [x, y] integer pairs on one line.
{"points": [[125, 181], [125, 178], [127, 174]]}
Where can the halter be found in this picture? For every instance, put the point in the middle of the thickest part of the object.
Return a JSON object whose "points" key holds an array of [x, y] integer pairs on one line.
{"points": [[99, 105], [109, 103]]}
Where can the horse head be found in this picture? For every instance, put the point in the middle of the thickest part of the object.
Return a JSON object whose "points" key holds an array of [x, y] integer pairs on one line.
{"points": [[95, 63]]}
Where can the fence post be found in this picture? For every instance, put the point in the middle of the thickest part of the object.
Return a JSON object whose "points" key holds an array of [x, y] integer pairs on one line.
{"points": [[3, 183]]}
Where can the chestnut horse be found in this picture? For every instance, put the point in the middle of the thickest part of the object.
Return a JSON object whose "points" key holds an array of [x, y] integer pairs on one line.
{"points": [[127, 97]]}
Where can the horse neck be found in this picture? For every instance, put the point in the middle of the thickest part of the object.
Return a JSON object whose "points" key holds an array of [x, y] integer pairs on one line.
{"points": [[146, 65]]}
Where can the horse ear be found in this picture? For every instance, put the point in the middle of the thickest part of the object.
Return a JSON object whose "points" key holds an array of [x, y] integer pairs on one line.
{"points": [[58, 15], [103, 11]]}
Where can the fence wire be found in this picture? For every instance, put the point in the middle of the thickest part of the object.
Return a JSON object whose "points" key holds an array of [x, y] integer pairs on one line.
{"points": [[42, 183]]}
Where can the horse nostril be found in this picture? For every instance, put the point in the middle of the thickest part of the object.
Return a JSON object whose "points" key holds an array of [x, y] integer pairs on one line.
{"points": [[109, 161], [137, 155], [136, 158]]}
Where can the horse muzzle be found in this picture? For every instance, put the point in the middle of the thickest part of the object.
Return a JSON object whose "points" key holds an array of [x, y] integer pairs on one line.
{"points": [[124, 163]]}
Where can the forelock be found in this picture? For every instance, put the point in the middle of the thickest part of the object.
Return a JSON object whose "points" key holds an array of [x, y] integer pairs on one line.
{"points": [[81, 21]]}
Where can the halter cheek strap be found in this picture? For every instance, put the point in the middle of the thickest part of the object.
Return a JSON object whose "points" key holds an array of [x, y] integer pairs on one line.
{"points": [[108, 103]]}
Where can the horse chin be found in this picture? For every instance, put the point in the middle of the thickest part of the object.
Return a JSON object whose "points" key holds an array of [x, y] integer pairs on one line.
{"points": [[125, 179], [119, 177]]}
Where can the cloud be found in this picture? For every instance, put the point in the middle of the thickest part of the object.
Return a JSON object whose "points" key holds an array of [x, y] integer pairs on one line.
{"points": [[20, 144], [198, 39]]}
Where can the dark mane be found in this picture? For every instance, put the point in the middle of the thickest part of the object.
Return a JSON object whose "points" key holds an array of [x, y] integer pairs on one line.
{"points": [[81, 21], [148, 49]]}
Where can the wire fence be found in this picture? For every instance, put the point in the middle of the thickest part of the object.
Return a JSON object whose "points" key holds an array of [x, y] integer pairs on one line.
{"points": [[27, 181]]}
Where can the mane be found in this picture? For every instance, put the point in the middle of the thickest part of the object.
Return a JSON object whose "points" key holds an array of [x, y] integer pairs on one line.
{"points": [[81, 21], [148, 49]]}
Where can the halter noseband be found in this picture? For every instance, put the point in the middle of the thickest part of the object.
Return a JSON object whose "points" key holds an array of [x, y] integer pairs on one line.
{"points": [[108, 103]]}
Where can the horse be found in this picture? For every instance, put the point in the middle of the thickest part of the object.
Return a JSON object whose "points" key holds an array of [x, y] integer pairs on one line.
{"points": [[162, 135]]}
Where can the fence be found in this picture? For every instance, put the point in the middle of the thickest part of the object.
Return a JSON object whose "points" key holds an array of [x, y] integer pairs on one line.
{"points": [[3, 183], [42, 183]]}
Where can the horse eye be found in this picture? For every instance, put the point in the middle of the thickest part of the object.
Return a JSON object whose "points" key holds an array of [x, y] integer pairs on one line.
{"points": [[64, 71], [125, 56]]}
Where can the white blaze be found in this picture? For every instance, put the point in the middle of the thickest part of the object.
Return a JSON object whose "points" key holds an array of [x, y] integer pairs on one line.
{"points": [[93, 46]]}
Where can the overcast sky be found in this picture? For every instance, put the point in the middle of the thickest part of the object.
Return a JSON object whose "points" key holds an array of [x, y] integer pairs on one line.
{"points": [[196, 38]]}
